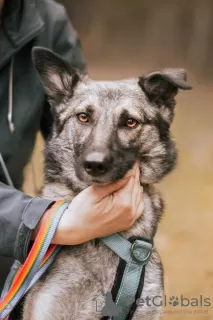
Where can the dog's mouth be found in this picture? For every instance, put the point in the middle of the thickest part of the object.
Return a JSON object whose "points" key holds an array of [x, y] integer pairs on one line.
{"points": [[100, 181], [109, 177]]}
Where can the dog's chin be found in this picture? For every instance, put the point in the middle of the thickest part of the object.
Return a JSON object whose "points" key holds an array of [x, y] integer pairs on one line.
{"points": [[97, 180], [104, 179]]}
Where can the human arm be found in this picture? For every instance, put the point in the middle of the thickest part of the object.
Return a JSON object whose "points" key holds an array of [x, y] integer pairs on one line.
{"points": [[97, 211], [19, 215]]}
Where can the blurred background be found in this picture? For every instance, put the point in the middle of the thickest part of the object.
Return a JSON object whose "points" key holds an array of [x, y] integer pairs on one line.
{"points": [[122, 38]]}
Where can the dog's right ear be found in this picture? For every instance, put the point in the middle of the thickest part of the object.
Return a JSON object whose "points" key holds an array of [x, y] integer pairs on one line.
{"points": [[57, 76]]}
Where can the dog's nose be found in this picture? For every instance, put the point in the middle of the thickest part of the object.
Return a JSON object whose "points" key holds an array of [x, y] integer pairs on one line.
{"points": [[97, 163]]}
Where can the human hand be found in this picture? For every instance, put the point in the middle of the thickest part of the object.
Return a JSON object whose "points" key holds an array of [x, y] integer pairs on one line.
{"points": [[101, 210]]}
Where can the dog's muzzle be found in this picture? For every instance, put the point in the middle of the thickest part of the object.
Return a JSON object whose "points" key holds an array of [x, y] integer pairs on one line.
{"points": [[97, 163]]}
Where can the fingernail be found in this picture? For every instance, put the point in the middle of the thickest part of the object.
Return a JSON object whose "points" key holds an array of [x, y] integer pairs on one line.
{"points": [[136, 166]]}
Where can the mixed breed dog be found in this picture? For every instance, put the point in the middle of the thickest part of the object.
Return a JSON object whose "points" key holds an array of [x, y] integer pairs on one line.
{"points": [[101, 128]]}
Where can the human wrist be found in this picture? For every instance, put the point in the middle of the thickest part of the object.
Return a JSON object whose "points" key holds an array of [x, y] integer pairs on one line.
{"points": [[65, 233], [53, 215], [71, 230]]}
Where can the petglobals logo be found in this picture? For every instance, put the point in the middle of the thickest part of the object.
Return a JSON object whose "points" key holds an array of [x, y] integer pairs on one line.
{"points": [[175, 301], [105, 306], [183, 301]]}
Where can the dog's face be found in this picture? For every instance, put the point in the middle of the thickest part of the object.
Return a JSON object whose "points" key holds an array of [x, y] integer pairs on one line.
{"points": [[102, 128]]}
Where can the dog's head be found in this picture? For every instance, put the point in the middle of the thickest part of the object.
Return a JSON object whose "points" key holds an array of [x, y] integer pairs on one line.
{"points": [[101, 128]]}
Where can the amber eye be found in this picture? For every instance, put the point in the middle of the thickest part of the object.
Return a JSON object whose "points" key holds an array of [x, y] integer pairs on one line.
{"points": [[131, 123], [83, 117]]}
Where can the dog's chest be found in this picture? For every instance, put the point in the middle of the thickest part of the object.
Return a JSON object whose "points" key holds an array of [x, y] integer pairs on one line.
{"points": [[82, 274], [92, 260]]}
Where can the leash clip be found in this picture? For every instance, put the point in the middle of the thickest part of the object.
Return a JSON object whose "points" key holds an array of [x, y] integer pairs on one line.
{"points": [[141, 251]]}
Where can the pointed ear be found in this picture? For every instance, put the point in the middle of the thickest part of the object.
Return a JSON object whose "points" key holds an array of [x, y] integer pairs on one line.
{"points": [[163, 85], [57, 76]]}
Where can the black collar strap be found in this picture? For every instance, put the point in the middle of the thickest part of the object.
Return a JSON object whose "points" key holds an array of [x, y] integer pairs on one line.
{"points": [[128, 285]]}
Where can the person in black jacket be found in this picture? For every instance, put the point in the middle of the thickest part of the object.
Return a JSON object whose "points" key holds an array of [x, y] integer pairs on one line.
{"points": [[23, 112]]}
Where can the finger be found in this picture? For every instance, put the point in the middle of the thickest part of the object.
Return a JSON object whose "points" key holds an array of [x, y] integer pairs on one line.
{"points": [[124, 195], [126, 191], [136, 187], [140, 195], [140, 209], [135, 196], [132, 172], [136, 201]]}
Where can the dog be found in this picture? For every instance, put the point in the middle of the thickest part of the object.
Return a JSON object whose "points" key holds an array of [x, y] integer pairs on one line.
{"points": [[100, 130]]}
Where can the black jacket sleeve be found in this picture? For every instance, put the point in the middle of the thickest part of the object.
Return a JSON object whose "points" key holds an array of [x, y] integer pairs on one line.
{"points": [[19, 215]]}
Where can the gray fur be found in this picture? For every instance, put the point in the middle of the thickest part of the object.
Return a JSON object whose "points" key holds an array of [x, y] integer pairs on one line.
{"points": [[82, 274]]}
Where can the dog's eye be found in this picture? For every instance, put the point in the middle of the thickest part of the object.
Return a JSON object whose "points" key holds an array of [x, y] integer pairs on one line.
{"points": [[131, 123], [83, 117]]}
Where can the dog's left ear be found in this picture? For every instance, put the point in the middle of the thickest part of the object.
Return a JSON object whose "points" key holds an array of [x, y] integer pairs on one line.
{"points": [[57, 76], [163, 85]]}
